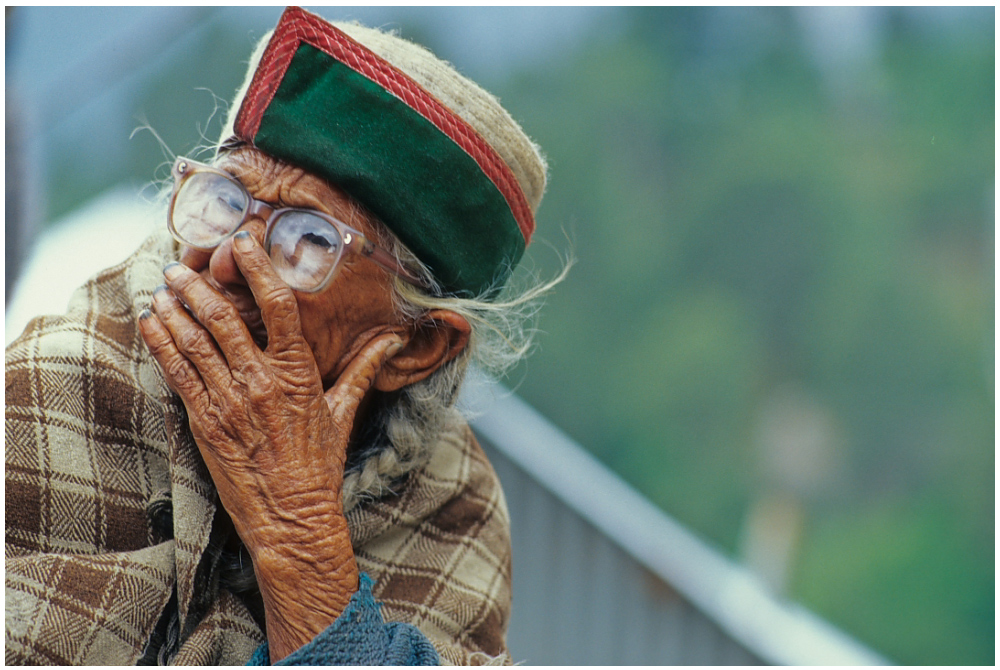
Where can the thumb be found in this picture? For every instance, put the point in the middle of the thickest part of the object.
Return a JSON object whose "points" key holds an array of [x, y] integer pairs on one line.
{"points": [[344, 397]]}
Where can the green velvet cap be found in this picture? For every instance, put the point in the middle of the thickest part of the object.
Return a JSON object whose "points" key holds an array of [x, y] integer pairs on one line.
{"points": [[323, 102]]}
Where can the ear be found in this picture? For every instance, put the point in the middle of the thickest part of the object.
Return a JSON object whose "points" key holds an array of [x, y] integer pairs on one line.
{"points": [[438, 337]]}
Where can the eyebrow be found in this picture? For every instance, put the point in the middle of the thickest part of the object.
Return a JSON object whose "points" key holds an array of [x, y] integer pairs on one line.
{"points": [[314, 202], [357, 216]]}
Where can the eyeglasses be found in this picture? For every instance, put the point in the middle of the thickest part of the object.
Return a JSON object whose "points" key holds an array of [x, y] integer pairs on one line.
{"points": [[305, 246]]}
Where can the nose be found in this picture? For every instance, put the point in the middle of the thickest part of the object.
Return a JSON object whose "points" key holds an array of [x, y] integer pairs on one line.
{"points": [[222, 265]]}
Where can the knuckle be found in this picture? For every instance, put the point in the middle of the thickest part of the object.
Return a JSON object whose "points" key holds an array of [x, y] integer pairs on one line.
{"points": [[256, 263], [280, 296], [258, 260], [178, 370], [216, 312], [281, 303], [215, 417], [159, 346], [260, 392], [194, 341]]}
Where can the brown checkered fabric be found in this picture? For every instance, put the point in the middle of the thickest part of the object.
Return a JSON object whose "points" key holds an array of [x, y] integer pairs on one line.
{"points": [[94, 437], [440, 551]]}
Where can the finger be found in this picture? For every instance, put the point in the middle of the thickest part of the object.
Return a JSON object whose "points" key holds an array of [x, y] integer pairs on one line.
{"points": [[195, 259], [278, 307], [213, 311], [190, 339], [180, 374], [346, 394]]}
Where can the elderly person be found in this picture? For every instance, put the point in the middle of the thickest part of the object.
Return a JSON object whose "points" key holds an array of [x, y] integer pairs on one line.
{"points": [[252, 453]]}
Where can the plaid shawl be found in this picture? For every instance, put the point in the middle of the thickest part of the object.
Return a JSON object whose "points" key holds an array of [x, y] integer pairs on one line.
{"points": [[95, 441]]}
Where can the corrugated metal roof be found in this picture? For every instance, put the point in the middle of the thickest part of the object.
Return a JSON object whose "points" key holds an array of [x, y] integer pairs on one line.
{"points": [[774, 630]]}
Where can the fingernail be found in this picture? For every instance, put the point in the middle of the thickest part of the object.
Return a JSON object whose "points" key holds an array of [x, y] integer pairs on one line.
{"points": [[172, 270], [242, 241], [145, 314], [162, 287]]}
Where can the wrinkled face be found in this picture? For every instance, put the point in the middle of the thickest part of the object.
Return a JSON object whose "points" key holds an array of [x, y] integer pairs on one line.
{"points": [[336, 322]]}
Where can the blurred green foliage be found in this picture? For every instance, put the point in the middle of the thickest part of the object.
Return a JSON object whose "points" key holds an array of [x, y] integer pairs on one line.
{"points": [[177, 111], [746, 222]]}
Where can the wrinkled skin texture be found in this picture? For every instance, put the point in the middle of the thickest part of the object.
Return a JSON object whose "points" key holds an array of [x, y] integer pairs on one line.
{"points": [[275, 382]]}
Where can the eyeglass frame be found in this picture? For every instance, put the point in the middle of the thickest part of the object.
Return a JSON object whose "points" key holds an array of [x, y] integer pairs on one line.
{"points": [[352, 239]]}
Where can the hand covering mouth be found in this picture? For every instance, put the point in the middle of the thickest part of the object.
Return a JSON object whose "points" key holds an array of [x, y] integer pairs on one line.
{"points": [[246, 306]]}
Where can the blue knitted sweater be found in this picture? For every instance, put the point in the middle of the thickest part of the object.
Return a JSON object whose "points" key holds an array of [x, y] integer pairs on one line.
{"points": [[360, 636]]}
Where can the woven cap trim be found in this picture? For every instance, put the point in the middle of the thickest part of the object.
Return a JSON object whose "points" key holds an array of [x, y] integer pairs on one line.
{"points": [[297, 26]]}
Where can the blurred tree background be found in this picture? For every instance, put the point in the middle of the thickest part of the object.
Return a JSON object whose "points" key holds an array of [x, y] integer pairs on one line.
{"points": [[780, 327], [764, 240]]}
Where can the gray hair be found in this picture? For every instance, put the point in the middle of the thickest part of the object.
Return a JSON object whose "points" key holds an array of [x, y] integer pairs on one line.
{"points": [[503, 331]]}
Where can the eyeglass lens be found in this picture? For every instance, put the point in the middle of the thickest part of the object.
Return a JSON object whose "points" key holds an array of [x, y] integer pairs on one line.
{"points": [[207, 208], [304, 248]]}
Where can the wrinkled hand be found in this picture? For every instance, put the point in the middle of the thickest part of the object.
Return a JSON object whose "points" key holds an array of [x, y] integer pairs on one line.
{"points": [[273, 440]]}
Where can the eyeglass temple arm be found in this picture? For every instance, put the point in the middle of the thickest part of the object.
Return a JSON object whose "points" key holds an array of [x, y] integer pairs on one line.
{"points": [[390, 263]]}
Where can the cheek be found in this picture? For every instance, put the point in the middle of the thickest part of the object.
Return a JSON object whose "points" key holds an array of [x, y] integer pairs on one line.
{"points": [[323, 328], [336, 323]]}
